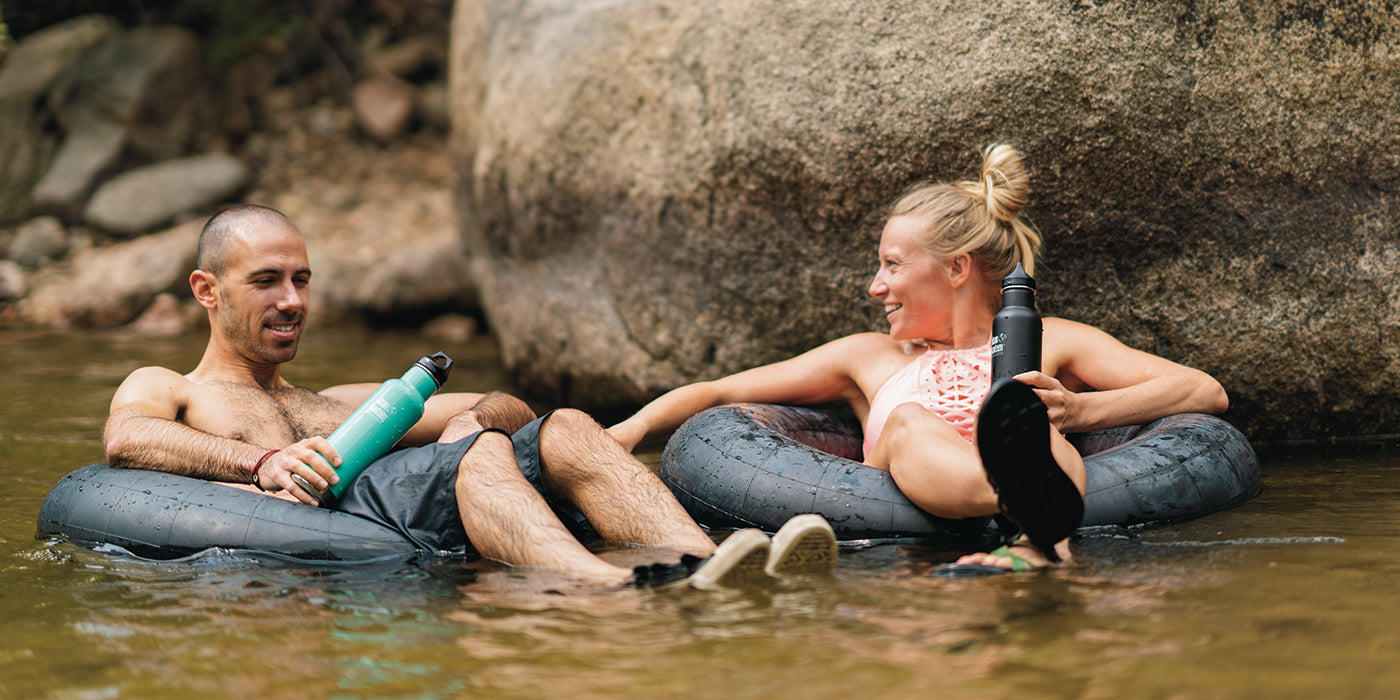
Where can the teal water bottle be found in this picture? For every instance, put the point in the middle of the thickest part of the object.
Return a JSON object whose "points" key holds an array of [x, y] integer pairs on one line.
{"points": [[382, 420]]}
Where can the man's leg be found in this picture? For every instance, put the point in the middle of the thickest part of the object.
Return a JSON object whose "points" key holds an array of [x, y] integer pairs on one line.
{"points": [[507, 519], [621, 497]]}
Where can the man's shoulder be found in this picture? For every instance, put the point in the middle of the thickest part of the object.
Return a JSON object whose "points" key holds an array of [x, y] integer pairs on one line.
{"points": [[152, 390], [156, 376]]}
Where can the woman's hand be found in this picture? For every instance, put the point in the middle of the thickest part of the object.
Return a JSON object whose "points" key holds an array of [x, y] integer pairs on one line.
{"points": [[1061, 403]]}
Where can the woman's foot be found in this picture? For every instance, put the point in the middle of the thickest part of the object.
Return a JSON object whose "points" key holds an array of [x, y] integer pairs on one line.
{"points": [[1018, 557]]}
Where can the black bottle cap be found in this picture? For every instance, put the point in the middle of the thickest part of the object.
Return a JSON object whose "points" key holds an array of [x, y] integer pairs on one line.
{"points": [[438, 365], [1018, 278]]}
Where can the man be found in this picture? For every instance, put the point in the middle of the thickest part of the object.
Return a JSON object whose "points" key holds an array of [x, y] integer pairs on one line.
{"points": [[235, 419]]}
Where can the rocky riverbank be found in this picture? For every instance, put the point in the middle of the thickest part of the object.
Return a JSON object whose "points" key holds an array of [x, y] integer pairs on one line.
{"points": [[122, 140]]}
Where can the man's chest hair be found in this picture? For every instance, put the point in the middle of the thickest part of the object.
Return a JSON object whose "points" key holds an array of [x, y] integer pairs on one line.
{"points": [[255, 414]]}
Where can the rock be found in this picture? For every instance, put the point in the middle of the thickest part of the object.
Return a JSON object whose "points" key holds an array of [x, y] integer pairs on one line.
{"points": [[422, 53], [38, 240], [139, 200], [450, 328], [30, 68], [133, 92], [166, 316], [398, 280], [12, 283], [423, 274], [108, 287], [383, 107], [432, 106], [32, 65], [654, 193]]}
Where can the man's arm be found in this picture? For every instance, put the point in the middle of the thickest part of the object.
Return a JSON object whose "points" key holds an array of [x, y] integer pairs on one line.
{"points": [[143, 431], [437, 410]]}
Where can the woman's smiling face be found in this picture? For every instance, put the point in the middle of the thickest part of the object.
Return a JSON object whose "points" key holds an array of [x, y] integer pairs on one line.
{"points": [[917, 290]]}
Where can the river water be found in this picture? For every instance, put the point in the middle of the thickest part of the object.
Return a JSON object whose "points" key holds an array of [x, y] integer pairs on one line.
{"points": [[1291, 595]]}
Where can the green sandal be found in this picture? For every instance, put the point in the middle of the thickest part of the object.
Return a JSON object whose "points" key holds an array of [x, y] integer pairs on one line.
{"points": [[1019, 564]]}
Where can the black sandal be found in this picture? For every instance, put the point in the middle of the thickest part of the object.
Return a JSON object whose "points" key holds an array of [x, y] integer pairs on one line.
{"points": [[1013, 438]]}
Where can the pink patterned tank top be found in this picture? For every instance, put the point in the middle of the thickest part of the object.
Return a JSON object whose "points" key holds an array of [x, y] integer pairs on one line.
{"points": [[950, 383]]}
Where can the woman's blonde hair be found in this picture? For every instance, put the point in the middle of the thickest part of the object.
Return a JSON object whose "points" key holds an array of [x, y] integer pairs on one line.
{"points": [[981, 217]]}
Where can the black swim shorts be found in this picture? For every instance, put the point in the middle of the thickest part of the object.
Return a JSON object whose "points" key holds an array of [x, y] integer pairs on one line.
{"points": [[412, 491]]}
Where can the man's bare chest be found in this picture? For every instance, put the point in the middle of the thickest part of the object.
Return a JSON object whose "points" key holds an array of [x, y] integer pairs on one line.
{"points": [[272, 417]]}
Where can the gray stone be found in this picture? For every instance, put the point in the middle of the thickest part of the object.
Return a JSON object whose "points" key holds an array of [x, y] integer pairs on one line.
{"points": [[391, 276], [109, 287], [427, 273], [12, 281], [83, 158], [655, 192], [130, 93], [30, 68], [33, 63], [38, 240], [140, 200]]}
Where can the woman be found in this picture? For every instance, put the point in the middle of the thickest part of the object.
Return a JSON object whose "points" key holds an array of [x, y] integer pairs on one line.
{"points": [[917, 390]]}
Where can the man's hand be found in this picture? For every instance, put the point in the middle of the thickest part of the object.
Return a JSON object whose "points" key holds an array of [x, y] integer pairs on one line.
{"points": [[313, 459]]}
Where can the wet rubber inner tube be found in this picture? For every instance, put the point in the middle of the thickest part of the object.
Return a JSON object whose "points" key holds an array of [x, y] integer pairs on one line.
{"points": [[756, 465], [156, 515]]}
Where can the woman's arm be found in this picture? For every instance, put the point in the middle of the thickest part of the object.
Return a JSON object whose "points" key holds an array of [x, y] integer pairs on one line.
{"points": [[823, 374], [1092, 381]]}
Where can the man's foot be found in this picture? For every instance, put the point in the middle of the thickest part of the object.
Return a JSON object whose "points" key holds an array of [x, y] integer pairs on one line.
{"points": [[1013, 439], [1016, 558], [803, 545], [739, 561]]}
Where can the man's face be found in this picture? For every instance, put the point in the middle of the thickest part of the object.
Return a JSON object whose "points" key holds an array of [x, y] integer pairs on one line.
{"points": [[264, 294]]}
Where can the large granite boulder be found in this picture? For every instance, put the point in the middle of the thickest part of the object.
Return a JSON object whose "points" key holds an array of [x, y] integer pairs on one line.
{"points": [[655, 192]]}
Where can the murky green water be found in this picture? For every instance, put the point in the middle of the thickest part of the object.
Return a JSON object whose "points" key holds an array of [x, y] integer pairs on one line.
{"points": [[1292, 595]]}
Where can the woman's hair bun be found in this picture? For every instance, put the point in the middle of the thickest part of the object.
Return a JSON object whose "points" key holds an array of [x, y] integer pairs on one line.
{"points": [[1004, 184]]}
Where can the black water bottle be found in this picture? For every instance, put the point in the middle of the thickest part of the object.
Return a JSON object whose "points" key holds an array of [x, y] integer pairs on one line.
{"points": [[1016, 328]]}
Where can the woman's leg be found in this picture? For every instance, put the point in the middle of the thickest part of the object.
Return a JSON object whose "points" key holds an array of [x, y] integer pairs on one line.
{"points": [[942, 473], [932, 464]]}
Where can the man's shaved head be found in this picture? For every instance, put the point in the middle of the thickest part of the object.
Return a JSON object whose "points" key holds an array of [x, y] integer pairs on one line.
{"points": [[219, 232]]}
